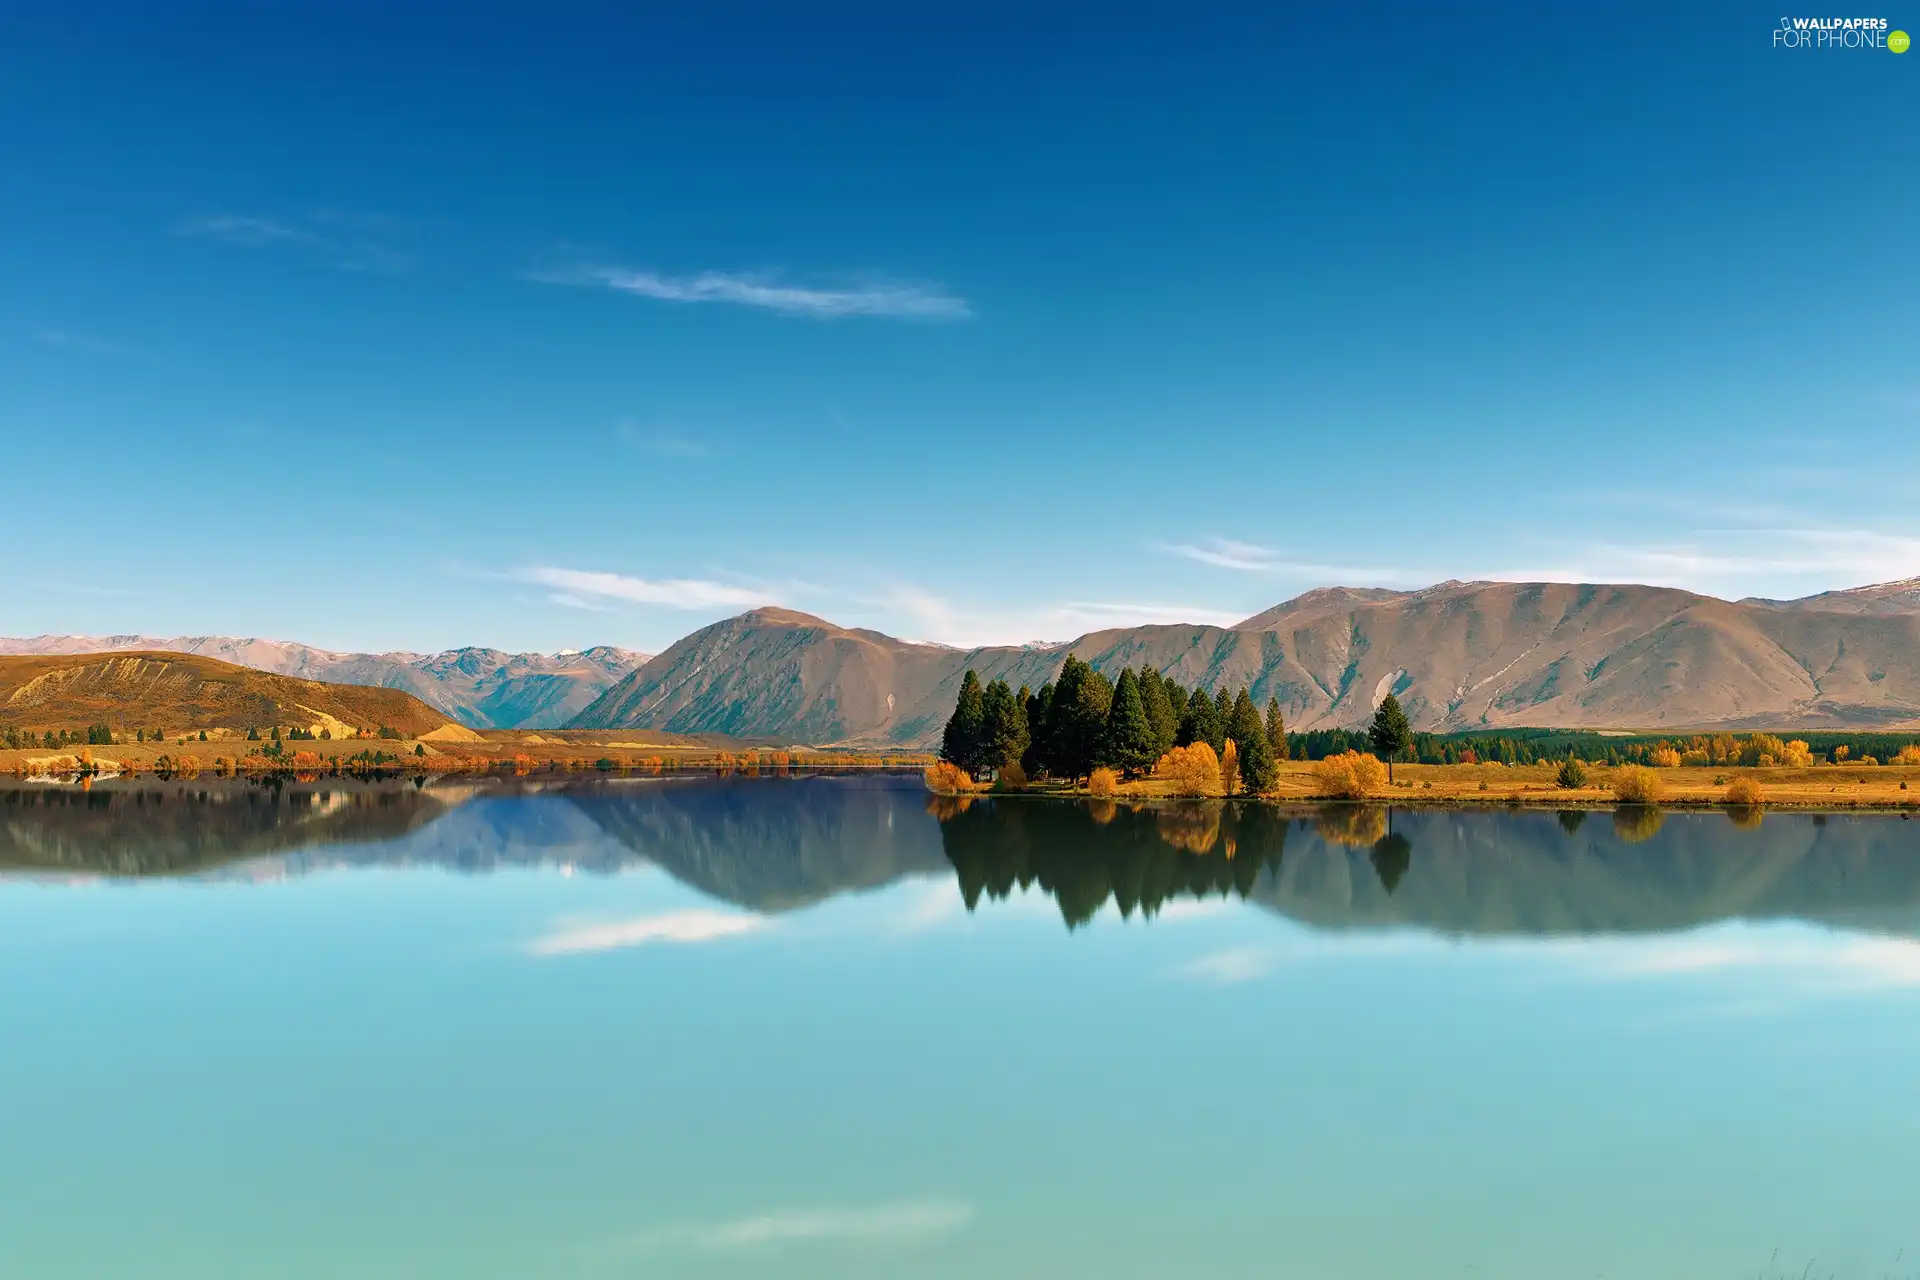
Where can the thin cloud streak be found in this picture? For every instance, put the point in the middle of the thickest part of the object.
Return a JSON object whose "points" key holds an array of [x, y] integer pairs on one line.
{"points": [[899, 299], [586, 588], [685, 927], [903, 1223], [247, 232]]}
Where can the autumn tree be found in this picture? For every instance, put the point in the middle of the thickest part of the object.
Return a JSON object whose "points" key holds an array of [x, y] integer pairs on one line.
{"points": [[1127, 743], [1389, 733], [961, 744]]}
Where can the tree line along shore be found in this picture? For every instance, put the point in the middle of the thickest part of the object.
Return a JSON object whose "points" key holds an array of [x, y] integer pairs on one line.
{"points": [[1143, 735]]}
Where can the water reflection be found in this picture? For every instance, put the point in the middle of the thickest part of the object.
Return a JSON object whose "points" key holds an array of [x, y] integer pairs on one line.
{"points": [[772, 845]]}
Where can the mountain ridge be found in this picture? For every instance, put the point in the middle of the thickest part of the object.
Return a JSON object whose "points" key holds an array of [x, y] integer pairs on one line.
{"points": [[1460, 655], [482, 688]]}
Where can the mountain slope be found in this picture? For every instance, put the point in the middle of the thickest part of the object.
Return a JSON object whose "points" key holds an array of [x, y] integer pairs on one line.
{"points": [[481, 688], [178, 692], [1459, 656]]}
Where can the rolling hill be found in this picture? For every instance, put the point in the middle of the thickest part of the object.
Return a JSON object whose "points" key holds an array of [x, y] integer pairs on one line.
{"points": [[1460, 655], [177, 692], [481, 688]]}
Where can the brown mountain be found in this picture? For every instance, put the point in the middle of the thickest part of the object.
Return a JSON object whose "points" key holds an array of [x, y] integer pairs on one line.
{"points": [[176, 692], [1459, 655], [482, 688]]}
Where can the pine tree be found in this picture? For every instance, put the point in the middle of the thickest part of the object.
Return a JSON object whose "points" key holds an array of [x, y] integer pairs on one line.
{"points": [[961, 743], [1390, 733], [1203, 723], [1127, 742], [1257, 772], [1176, 698], [1160, 717], [1223, 705], [1034, 760], [1076, 719], [1276, 730], [1003, 736]]}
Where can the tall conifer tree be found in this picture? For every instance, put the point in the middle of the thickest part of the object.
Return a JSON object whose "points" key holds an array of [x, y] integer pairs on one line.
{"points": [[1257, 773], [1390, 734], [1160, 717], [1276, 730], [963, 739], [1127, 743]]}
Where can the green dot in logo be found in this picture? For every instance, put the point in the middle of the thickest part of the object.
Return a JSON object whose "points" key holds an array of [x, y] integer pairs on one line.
{"points": [[1897, 41]]}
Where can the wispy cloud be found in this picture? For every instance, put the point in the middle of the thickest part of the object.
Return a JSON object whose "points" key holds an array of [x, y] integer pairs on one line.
{"points": [[67, 340], [691, 926], [586, 588], [663, 442], [1231, 965], [242, 231], [905, 299], [935, 618], [903, 1223]]}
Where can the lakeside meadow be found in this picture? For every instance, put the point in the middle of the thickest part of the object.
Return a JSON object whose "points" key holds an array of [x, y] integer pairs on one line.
{"points": [[1144, 737]]}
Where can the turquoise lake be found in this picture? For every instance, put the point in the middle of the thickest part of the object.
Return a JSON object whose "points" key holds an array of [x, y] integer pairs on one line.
{"points": [[824, 1027]]}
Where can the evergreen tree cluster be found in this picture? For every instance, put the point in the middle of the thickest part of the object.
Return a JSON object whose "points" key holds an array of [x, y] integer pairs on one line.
{"points": [[1082, 721]]}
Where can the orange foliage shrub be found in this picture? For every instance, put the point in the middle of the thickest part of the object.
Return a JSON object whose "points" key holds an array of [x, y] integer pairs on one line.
{"points": [[1636, 823], [1637, 785], [1193, 771], [1746, 793], [1230, 768], [1798, 755], [1665, 758], [1012, 777], [946, 779], [1103, 782], [301, 760], [1350, 775], [1190, 828], [1355, 826], [1909, 754]]}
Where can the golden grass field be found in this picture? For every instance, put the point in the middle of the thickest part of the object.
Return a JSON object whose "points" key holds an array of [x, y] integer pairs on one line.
{"points": [[1814, 787]]}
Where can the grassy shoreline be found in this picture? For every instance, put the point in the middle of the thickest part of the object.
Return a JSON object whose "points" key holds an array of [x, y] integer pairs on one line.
{"points": [[1813, 788]]}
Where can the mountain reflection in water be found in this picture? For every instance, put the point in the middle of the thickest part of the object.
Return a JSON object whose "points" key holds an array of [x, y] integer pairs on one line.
{"points": [[778, 844]]}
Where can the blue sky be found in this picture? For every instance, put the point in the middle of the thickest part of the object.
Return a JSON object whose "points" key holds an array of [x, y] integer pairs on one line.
{"points": [[383, 328]]}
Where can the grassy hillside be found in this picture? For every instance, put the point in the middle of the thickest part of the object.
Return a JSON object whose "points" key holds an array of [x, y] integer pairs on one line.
{"points": [[176, 693]]}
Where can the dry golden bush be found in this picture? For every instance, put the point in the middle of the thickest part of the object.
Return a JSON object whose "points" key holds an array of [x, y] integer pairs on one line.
{"points": [[1746, 793], [1194, 771], [1909, 754], [944, 807], [1012, 777], [944, 778], [1665, 758], [1351, 775], [1636, 784], [1230, 769], [1191, 828], [1636, 822], [1356, 826], [1103, 782]]}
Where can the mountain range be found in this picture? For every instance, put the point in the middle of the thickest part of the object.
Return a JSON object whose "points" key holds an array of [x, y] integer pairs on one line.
{"points": [[1459, 655], [481, 688]]}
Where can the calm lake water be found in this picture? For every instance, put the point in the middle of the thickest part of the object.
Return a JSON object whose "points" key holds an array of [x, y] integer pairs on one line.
{"points": [[820, 1028]]}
